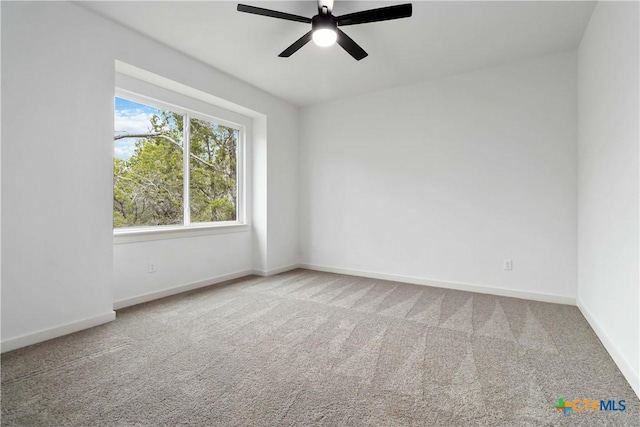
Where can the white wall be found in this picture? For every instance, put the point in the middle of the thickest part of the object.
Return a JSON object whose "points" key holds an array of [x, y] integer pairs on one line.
{"points": [[608, 196], [282, 194], [179, 262], [445, 179], [57, 248], [56, 240]]}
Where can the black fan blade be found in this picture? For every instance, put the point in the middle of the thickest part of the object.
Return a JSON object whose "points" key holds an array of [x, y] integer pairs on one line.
{"points": [[376, 15], [296, 45], [350, 46], [272, 13]]}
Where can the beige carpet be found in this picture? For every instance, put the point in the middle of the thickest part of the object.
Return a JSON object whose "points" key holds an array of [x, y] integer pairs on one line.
{"points": [[307, 348]]}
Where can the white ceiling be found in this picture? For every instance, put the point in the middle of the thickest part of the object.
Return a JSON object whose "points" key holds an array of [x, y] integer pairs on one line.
{"points": [[441, 38]]}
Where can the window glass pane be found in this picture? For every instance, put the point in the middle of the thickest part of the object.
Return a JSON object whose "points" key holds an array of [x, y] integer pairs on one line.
{"points": [[213, 173], [148, 168]]}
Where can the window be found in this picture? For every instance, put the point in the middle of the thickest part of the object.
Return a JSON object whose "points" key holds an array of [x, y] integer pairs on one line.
{"points": [[174, 167]]}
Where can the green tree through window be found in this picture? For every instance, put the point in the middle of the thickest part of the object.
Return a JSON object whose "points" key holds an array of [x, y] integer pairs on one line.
{"points": [[149, 170], [213, 171]]}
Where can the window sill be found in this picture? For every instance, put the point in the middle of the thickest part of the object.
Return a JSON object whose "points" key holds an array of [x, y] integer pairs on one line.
{"points": [[146, 234]]}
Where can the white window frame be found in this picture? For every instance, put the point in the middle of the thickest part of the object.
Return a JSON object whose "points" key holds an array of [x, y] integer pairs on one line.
{"points": [[145, 93]]}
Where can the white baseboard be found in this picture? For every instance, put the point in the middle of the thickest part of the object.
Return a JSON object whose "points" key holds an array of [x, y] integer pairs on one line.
{"points": [[557, 299], [56, 331], [127, 302], [623, 364], [266, 273]]}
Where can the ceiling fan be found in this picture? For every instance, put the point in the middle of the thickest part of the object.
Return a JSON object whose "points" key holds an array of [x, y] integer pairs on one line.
{"points": [[324, 26]]}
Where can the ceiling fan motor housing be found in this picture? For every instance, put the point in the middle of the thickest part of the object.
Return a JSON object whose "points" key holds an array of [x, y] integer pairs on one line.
{"points": [[322, 21]]}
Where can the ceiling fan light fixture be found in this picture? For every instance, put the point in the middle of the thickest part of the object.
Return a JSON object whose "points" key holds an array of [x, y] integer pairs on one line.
{"points": [[324, 37], [324, 29], [324, 26]]}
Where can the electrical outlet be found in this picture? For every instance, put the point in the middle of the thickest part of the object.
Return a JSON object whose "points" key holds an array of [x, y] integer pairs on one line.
{"points": [[507, 264], [152, 267]]}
